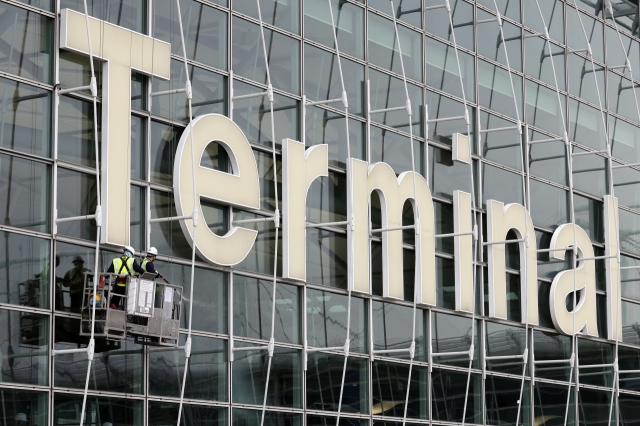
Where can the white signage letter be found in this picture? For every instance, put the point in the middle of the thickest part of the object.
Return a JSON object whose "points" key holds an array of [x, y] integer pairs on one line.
{"points": [[463, 250], [239, 188], [393, 191], [500, 220], [582, 280], [299, 169], [122, 50]]}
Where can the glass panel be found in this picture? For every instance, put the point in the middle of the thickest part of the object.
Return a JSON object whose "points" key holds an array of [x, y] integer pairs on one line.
{"points": [[137, 235], [324, 126], [392, 329], [552, 17], [406, 10], [451, 333], [22, 407], [589, 173], [24, 343], [322, 79], [388, 398], [327, 258], [209, 294], [207, 375], [389, 92], [209, 93], [253, 115], [24, 193], [594, 406], [502, 401], [586, 125], [283, 56], [327, 321], [205, 29], [582, 82], [448, 390], [629, 359], [445, 283], [508, 8], [589, 215], [27, 42], [549, 205], [505, 340], [442, 69], [548, 267], [629, 231], [630, 320], [621, 46], [625, 140], [117, 411], [252, 303], [629, 278], [76, 143], [395, 150], [196, 415], [595, 353], [628, 406], [626, 186], [281, 14], [164, 142], [138, 91], [550, 404], [25, 118], [344, 421], [25, 270], [260, 257], [504, 147], [78, 199], [167, 237], [548, 347], [437, 22], [75, 71], [324, 379], [384, 49], [548, 160], [285, 378], [117, 366], [491, 46], [499, 184], [621, 98], [138, 147], [271, 418], [494, 88], [131, 14], [538, 62], [446, 175], [543, 110], [347, 18], [440, 106]]}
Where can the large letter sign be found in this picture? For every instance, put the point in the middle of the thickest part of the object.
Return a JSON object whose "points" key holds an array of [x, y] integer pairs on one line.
{"points": [[239, 188], [122, 50]]}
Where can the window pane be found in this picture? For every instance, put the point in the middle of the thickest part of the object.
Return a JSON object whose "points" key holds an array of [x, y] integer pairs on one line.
{"points": [[448, 391], [252, 302], [75, 71], [322, 79], [205, 35], [594, 406], [324, 378], [445, 283], [395, 150], [552, 17], [138, 147], [271, 418], [621, 98], [389, 92], [325, 127], [630, 278], [283, 56], [543, 110], [451, 333], [209, 93], [595, 353], [549, 205], [388, 399], [629, 359], [589, 173], [494, 88], [344, 421], [137, 217], [504, 147], [117, 411], [551, 346], [440, 106], [630, 320], [164, 142], [502, 401], [33, 404], [405, 10], [24, 193], [589, 215], [207, 375], [577, 39], [260, 257], [505, 340], [195, 415], [501, 185], [442, 69], [491, 41], [548, 160], [446, 175], [582, 82], [327, 321], [76, 143], [78, 199], [327, 258], [392, 329], [622, 46], [625, 140], [25, 272], [167, 237], [538, 62], [27, 42], [24, 343], [131, 14], [508, 8], [550, 402], [284, 15], [437, 22], [285, 378], [117, 366], [626, 186], [25, 118], [348, 20], [586, 125]]}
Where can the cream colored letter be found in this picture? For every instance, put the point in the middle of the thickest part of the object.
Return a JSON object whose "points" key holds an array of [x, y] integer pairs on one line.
{"points": [[612, 264], [299, 169], [239, 188], [393, 191], [500, 220], [582, 280], [463, 250], [121, 50]]}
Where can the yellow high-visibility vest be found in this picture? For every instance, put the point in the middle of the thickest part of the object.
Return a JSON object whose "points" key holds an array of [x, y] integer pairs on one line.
{"points": [[119, 264]]}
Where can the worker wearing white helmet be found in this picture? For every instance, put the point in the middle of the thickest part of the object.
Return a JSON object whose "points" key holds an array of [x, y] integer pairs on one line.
{"points": [[21, 419], [147, 262], [123, 266]]}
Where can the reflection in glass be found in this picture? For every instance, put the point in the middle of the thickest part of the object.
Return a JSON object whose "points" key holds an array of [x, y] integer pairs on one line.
{"points": [[630, 323], [117, 411], [502, 400], [387, 92], [77, 199], [437, 22], [448, 390], [589, 173], [167, 237], [626, 186], [137, 217], [284, 15], [164, 143], [582, 82], [327, 321], [550, 404], [491, 41], [442, 69], [505, 340], [24, 345], [451, 333], [552, 18], [271, 418], [494, 88], [32, 404], [75, 71], [348, 20], [504, 147], [595, 353], [594, 30], [501, 185], [196, 415], [538, 62], [543, 110], [324, 378], [138, 147], [395, 150], [327, 258], [446, 175], [549, 205], [207, 375], [548, 160], [250, 372], [388, 399], [589, 215], [252, 303], [392, 329], [629, 231], [593, 406], [586, 125], [76, 143]]}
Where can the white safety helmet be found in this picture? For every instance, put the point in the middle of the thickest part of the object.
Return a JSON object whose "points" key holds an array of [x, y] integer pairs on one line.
{"points": [[152, 251], [107, 424], [21, 417], [129, 249]]}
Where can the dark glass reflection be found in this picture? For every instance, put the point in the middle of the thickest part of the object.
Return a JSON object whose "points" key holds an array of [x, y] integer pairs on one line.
{"points": [[550, 404], [195, 415], [24, 345], [448, 390], [393, 326], [99, 410], [131, 14], [502, 401], [34, 405], [389, 381]]}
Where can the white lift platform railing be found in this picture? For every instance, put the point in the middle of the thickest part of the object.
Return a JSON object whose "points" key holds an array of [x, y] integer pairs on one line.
{"points": [[97, 216]]}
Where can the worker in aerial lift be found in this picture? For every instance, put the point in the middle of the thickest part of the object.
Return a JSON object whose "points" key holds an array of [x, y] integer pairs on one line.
{"points": [[122, 266], [147, 262], [74, 279]]}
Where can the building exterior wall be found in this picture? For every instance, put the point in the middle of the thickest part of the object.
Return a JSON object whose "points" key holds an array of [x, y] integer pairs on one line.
{"points": [[47, 164]]}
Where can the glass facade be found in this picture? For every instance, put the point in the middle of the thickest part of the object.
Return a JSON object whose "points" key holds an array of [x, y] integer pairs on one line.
{"points": [[510, 73]]}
